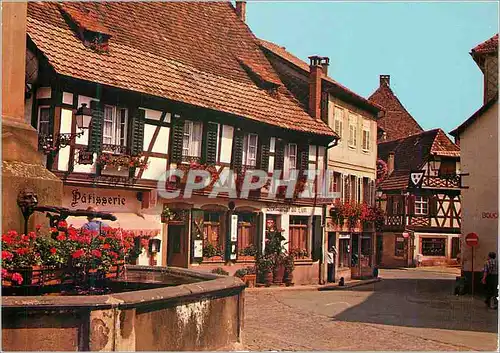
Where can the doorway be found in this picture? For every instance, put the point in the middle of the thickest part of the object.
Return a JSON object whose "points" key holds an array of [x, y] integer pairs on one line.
{"points": [[332, 250], [177, 246], [380, 250]]}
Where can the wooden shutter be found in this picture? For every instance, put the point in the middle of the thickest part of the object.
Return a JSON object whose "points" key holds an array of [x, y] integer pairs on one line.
{"points": [[264, 153], [279, 155], [237, 154], [258, 232], [390, 205], [210, 153], [95, 140], [411, 205], [303, 155], [137, 135], [176, 138], [317, 238], [433, 209]]}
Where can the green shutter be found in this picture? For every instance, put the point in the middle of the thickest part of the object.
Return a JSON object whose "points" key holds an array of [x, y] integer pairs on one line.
{"points": [[264, 153], [303, 150], [237, 154], [279, 155], [95, 140], [177, 137], [137, 135], [211, 131], [317, 233]]}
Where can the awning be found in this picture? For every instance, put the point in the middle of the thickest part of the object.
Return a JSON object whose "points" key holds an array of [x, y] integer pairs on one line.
{"points": [[138, 224]]}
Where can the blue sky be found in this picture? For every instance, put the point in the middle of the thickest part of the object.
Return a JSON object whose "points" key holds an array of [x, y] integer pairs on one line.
{"points": [[423, 46]]}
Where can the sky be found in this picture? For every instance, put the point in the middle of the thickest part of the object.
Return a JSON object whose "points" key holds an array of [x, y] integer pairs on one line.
{"points": [[423, 46]]}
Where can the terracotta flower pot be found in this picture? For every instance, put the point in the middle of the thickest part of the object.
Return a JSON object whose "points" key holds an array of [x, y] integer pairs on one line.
{"points": [[278, 274], [249, 280]]}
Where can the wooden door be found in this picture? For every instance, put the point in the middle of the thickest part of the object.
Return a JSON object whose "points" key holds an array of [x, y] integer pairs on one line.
{"points": [[177, 246]]}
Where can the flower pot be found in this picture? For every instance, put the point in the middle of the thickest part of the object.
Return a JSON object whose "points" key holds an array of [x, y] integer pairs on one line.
{"points": [[288, 278], [249, 280], [278, 274], [268, 278], [52, 276], [31, 276]]}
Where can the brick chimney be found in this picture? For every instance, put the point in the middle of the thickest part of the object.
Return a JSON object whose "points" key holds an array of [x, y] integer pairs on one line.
{"points": [[385, 80], [241, 10], [390, 163], [316, 71]]}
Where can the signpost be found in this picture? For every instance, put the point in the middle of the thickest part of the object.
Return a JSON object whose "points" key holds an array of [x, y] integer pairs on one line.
{"points": [[472, 240]]}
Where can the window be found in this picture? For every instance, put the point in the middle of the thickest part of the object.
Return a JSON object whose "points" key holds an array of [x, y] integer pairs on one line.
{"points": [[344, 250], [290, 162], [335, 183], [44, 121], [421, 206], [115, 126], [366, 140], [433, 246], [352, 131], [298, 233], [400, 246], [211, 228], [338, 121], [447, 167], [191, 141], [250, 150]]}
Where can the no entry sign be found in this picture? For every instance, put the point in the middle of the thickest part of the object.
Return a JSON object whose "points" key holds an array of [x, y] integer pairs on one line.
{"points": [[471, 239]]}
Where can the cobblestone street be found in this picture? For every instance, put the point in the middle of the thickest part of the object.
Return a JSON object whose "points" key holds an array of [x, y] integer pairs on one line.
{"points": [[407, 310]]}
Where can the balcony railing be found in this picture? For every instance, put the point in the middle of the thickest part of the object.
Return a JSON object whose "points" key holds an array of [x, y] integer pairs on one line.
{"points": [[115, 149], [452, 181]]}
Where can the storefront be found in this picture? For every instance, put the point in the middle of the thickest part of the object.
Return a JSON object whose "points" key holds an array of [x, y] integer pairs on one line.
{"points": [[127, 206]]}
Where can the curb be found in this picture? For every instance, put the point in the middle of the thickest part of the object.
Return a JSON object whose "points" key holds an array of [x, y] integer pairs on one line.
{"points": [[350, 285], [308, 287]]}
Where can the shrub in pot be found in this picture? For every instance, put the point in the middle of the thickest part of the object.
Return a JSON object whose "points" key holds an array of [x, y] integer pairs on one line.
{"points": [[264, 265], [220, 271], [289, 264]]}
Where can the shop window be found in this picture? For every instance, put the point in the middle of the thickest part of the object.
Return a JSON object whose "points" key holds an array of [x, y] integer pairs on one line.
{"points": [[455, 247], [400, 247], [366, 250], [344, 252], [211, 228], [298, 231], [433, 246], [246, 234]]}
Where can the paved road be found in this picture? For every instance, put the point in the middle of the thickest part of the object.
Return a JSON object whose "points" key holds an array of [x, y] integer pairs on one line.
{"points": [[407, 310]]}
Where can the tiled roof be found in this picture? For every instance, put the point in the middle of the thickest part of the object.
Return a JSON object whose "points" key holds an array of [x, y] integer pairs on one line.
{"points": [[488, 46], [480, 112], [411, 153], [187, 52], [397, 122], [300, 87]]}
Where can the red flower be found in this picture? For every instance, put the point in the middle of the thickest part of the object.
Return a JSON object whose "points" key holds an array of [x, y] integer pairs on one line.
{"points": [[62, 224], [16, 277], [113, 254], [106, 246], [53, 230], [32, 235], [97, 253], [53, 251], [38, 227], [61, 236], [78, 253], [5, 273], [22, 251], [7, 255]]}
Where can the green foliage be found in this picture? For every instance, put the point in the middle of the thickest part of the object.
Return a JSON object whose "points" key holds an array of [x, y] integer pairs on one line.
{"points": [[220, 271], [210, 250]]}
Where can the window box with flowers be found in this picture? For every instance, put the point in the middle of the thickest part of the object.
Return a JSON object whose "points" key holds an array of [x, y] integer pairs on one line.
{"points": [[247, 275], [347, 215], [213, 253], [248, 253], [187, 167], [121, 161]]}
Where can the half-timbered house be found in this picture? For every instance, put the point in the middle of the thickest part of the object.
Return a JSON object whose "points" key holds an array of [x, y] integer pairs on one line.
{"points": [[172, 85], [421, 197], [352, 162]]}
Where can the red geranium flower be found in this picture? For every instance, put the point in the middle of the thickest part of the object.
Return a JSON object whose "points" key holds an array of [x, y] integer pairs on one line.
{"points": [[96, 253], [53, 251], [78, 253], [22, 251], [32, 235], [106, 246], [16, 277], [113, 254], [61, 236], [62, 224], [7, 255], [38, 227]]}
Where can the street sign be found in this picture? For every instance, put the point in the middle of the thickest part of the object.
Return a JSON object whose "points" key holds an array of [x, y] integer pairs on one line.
{"points": [[472, 239]]}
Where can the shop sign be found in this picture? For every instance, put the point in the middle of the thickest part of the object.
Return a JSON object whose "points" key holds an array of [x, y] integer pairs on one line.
{"points": [[345, 236], [489, 215], [82, 198], [287, 209], [198, 248], [234, 227]]}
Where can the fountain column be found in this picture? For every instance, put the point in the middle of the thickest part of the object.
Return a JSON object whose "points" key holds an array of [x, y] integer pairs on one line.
{"points": [[22, 165]]}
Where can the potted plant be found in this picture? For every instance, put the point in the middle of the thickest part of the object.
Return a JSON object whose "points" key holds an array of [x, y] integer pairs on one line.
{"points": [[275, 249], [212, 253], [264, 266], [248, 253], [220, 271], [289, 264], [167, 215]]}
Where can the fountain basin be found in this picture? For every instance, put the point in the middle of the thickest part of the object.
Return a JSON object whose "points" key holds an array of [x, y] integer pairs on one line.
{"points": [[204, 313]]}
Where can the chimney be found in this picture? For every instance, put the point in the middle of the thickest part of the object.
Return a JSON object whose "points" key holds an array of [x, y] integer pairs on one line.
{"points": [[385, 80], [241, 10], [324, 66], [316, 67], [390, 163]]}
